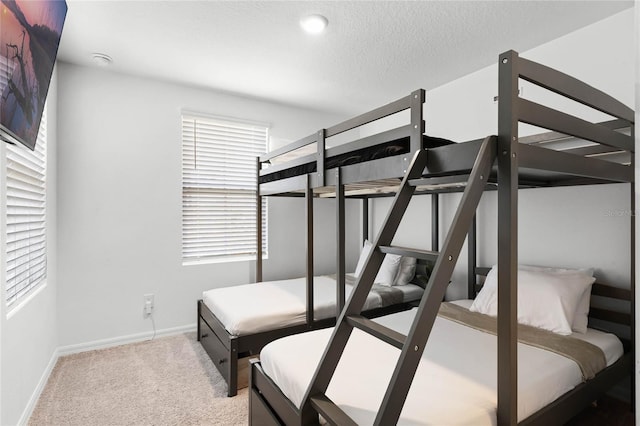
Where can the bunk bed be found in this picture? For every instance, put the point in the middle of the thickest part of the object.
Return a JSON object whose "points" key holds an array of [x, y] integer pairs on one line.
{"points": [[505, 163], [236, 322]]}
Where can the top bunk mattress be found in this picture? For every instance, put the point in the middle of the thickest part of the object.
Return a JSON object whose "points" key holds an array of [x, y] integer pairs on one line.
{"points": [[453, 384], [252, 308], [387, 149]]}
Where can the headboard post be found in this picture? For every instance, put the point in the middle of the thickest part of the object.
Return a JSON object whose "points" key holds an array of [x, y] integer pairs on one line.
{"points": [[365, 219], [417, 123], [508, 113], [309, 212], [258, 224], [340, 237], [472, 259], [435, 222]]}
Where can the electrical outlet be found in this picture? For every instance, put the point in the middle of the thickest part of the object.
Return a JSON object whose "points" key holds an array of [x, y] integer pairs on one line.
{"points": [[147, 309]]}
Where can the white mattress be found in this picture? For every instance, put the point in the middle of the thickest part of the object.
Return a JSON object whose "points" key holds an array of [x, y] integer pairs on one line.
{"points": [[453, 384], [252, 308]]}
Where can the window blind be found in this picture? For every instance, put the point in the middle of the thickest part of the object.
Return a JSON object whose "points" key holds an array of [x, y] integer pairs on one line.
{"points": [[219, 188], [26, 260]]}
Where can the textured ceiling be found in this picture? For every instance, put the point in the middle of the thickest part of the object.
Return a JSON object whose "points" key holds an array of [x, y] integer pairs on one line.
{"points": [[372, 51]]}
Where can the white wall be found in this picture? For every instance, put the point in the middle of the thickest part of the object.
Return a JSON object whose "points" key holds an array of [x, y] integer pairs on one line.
{"points": [[119, 205], [573, 227], [29, 336]]}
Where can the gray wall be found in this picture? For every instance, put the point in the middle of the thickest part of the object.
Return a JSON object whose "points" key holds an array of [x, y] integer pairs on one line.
{"points": [[119, 205]]}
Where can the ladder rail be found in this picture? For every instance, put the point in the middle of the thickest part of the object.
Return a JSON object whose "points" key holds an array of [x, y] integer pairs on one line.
{"points": [[420, 330], [342, 331]]}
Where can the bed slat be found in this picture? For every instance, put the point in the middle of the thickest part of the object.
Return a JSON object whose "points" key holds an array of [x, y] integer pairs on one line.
{"points": [[611, 292], [611, 316]]}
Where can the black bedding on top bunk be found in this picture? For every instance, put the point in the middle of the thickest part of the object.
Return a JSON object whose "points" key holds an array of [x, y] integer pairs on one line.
{"points": [[387, 149]]}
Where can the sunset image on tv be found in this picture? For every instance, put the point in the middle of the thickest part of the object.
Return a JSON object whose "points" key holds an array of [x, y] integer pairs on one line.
{"points": [[30, 33]]}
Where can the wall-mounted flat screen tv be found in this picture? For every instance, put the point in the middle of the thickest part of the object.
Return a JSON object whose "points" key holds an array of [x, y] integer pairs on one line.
{"points": [[30, 33]]}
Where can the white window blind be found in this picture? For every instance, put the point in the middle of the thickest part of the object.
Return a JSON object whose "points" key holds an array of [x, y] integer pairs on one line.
{"points": [[26, 260], [219, 188]]}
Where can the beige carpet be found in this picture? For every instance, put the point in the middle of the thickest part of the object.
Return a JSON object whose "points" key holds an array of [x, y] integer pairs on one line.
{"points": [[167, 381]]}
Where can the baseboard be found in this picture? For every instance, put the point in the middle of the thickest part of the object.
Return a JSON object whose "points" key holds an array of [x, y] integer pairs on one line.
{"points": [[31, 405], [123, 340]]}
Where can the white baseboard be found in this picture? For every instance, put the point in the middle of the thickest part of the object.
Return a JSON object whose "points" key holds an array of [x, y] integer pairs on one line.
{"points": [[31, 405], [123, 340]]}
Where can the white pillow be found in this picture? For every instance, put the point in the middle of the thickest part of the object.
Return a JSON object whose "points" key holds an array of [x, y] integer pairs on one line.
{"points": [[406, 270], [366, 249], [581, 316], [547, 299], [388, 269]]}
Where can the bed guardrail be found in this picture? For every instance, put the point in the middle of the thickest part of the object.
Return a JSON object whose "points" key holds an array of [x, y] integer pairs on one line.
{"points": [[414, 130]]}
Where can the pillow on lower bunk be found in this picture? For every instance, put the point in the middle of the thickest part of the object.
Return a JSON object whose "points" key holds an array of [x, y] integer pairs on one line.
{"points": [[388, 269], [547, 299], [581, 316], [406, 270]]}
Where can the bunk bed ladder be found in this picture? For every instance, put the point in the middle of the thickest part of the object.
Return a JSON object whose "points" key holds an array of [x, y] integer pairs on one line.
{"points": [[411, 345]]}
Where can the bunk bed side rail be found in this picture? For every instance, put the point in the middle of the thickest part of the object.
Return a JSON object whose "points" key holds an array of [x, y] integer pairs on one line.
{"points": [[373, 115], [573, 88], [549, 118], [366, 118], [289, 147]]}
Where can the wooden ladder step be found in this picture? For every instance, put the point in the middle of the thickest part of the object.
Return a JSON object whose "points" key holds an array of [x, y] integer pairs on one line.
{"points": [[330, 411], [383, 333], [441, 181], [418, 254]]}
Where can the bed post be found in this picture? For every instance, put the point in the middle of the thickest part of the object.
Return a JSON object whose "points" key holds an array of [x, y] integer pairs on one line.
{"points": [[320, 142], [417, 123], [258, 224], [309, 210], [435, 222], [365, 219], [472, 246], [508, 238], [340, 252]]}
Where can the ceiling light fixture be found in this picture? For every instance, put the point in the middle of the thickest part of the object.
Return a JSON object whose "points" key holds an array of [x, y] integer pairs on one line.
{"points": [[314, 24], [101, 59]]}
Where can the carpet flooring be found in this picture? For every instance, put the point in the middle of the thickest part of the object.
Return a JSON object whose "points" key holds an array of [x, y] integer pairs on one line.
{"points": [[172, 381], [167, 381]]}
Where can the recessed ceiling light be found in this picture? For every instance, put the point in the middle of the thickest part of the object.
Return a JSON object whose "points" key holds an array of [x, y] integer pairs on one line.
{"points": [[314, 24], [101, 59]]}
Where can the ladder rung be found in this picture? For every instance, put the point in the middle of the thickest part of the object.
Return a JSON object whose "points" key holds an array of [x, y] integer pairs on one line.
{"points": [[445, 181], [386, 334], [330, 411], [402, 251]]}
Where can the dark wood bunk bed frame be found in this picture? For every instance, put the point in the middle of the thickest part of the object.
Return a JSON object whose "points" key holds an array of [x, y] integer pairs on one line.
{"points": [[506, 163], [226, 349]]}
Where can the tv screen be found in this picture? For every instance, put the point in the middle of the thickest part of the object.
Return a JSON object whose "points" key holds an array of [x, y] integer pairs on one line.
{"points": [[30, 33]]}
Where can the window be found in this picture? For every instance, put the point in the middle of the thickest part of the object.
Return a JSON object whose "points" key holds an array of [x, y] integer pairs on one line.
{"points": [[26, 259], [219, 188]]}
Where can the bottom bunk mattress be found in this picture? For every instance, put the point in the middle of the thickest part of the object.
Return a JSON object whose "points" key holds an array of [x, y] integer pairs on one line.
{"points": [[455, 382], [252, 308]]}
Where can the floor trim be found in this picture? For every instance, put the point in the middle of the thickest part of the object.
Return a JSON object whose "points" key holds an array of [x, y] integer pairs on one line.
{"points": [[35, 396], [123, 340]]}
